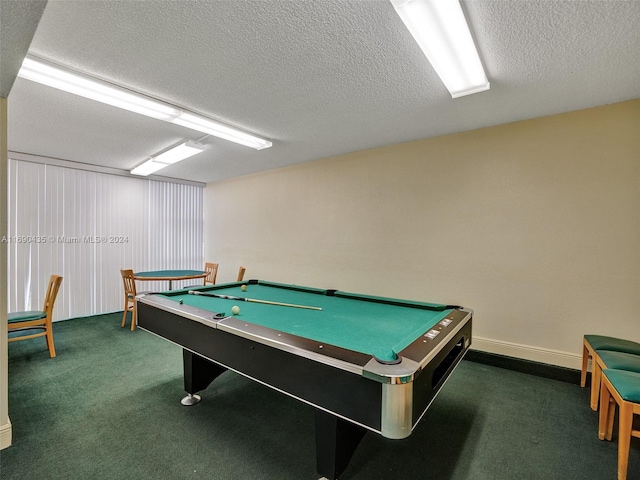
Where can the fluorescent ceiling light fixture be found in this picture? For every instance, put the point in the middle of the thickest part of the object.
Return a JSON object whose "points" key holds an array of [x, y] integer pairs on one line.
{"points": [[78, 84], [179, 152], [442, 33], [169, 157], [52, 75], [147, 168], [217, 129]]}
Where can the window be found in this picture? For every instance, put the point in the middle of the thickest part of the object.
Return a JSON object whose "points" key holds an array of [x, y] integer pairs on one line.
{"points": [[86, 225]]}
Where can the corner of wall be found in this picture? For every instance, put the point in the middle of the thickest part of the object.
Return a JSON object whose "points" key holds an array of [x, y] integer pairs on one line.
{"points": [[5, 423]]}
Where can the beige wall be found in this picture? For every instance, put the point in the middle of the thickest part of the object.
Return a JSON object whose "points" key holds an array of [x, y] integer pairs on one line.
{"points": [[535, 225]]}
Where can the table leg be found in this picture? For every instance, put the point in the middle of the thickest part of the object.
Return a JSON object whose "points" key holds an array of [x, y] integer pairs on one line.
{"points": [[198, 374], [336, 441]]}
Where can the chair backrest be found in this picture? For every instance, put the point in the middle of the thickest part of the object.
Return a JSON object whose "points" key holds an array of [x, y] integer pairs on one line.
{"points": [[241, 273], [212, 272], [52, 293], [129, 282]]}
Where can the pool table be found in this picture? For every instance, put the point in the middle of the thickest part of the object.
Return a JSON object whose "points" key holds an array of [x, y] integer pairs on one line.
{"points": [[366, 363]]}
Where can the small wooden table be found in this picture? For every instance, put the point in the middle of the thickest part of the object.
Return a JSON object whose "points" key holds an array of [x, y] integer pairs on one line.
{"points": [[169, 275]]}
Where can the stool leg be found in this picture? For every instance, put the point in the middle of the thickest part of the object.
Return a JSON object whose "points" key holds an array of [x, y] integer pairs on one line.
{"points": [[585, 363], [625, 422], [596, 378], [612, 416], [605, 412]]}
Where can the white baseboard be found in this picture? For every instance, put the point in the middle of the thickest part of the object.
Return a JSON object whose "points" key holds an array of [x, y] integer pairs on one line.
{"points": [[5, 435], [528, 352]]}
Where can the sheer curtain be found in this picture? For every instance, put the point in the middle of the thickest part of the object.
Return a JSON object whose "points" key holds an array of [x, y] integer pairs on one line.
{"points": [[85, 226]]}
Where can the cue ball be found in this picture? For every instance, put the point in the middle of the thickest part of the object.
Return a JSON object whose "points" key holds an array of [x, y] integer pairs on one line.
{"points": [[243, 288], [235, 309]]}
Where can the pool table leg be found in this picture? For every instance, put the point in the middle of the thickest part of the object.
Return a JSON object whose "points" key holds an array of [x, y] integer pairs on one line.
{"points": [[336, 441], [198, 374]]}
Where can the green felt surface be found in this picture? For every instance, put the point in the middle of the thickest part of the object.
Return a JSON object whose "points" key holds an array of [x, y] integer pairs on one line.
{"points": [[626, 383], [364, 325], [169, 273]]}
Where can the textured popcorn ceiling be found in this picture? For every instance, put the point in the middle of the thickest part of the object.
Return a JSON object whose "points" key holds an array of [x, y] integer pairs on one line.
{"points": [[18, 23], [319, 78]]}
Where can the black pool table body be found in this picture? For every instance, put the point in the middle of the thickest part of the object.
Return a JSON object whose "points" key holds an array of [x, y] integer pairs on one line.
{"points": [[352, 391]]}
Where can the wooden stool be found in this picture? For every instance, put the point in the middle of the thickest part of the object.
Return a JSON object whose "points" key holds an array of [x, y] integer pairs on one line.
{"points": [[590, 344], [619, 388], [612, 360]]}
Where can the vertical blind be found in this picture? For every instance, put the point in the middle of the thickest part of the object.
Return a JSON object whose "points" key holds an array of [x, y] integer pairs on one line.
{"points": [[85, 226]]}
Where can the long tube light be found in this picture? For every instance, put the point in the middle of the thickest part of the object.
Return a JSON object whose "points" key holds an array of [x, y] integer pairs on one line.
{"points": [[169, 157], [440, 29], [52, 75], [84, 86], [197, 122]]}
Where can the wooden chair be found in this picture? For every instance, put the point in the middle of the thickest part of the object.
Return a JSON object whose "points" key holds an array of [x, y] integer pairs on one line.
{"points": [[622, 389], [37, 319], [212, 273], [129, 298], [241, 273], [590, 346]]}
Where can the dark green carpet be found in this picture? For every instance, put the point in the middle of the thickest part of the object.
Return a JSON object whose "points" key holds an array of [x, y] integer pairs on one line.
{"points": [[108, 407]]}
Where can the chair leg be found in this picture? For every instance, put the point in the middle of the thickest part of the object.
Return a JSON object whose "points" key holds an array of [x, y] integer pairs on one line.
{"points": [[134, 315], [625, 422], [50, 344], [585, 364], [124, 314], [596, 378]]}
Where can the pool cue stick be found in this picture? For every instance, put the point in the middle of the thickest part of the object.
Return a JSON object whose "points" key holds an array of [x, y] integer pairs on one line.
{"points": [[254, 300]]}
